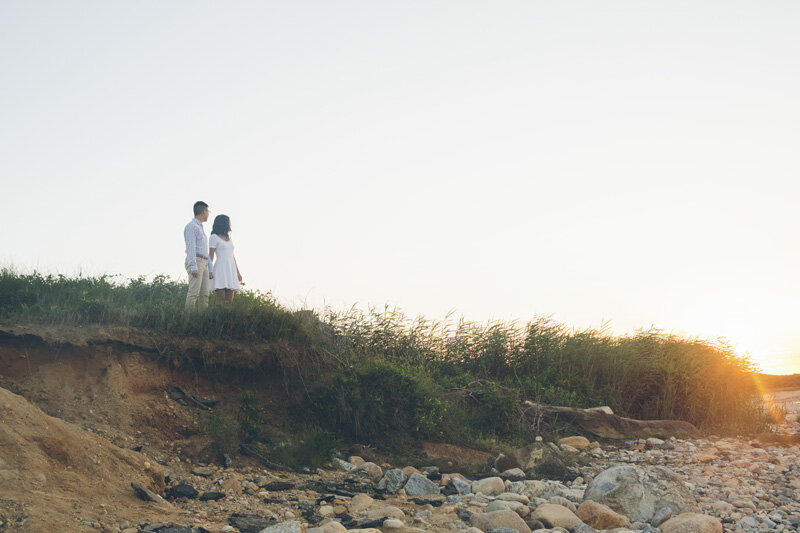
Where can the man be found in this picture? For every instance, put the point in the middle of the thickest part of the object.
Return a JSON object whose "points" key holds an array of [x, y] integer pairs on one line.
{"points": [[197, 259]]}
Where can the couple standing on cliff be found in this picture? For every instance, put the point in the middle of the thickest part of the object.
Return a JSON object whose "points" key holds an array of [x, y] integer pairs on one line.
{"points": [[210, 262]]}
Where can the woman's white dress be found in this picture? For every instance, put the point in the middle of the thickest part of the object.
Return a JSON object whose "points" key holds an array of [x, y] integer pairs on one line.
{"points": [[224, 266]]}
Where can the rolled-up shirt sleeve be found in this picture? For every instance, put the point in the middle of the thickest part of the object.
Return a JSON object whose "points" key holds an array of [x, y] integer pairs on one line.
{"points": [[191, 246]]}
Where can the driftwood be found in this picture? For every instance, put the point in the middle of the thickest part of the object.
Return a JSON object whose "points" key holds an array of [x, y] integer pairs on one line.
{"points": [[601, 422]]}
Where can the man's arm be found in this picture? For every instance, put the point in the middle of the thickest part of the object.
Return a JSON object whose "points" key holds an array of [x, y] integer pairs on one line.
{"points": [[191, 247]]}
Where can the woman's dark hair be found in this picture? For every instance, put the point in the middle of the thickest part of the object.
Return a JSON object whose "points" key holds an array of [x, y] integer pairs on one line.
{"points": [[222, 226]]}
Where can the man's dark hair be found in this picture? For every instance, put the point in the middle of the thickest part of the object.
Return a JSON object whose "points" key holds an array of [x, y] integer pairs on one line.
{"points": [[199, 207]]}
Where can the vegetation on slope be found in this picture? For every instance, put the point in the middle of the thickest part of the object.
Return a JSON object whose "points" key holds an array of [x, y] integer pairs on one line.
{"points": [[388, 374]]}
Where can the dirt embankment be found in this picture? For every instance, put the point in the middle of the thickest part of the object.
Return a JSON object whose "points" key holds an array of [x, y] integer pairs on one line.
{"points": [[74, 405]]}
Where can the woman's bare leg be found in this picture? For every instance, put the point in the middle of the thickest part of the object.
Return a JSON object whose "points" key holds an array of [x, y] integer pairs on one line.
{"points": [[229, 295], [219, 295]]}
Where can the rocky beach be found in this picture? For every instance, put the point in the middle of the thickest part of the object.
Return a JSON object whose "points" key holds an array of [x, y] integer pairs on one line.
{"points": [[650, 485]]}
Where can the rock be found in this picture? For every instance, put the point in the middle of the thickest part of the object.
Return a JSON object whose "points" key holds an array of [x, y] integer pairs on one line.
{"points": [[585, 528], [278, 486], [579, 443], [560, 500], [411, 470], [553, 515], [291, 526], [182, 490], [388, 511], [344, 466], [372, 470], [515, 474], [249, 523], [393, 480], [706, 458], [355, 460], [204, 471], [513, 497], [333, 527], [638, 492], [600, 517], [146, 494], [506, 462], [419, 485], [233, 484], [569, 449], [532, 488], [661, 516], [211, 496], [490, 486], [653, 443], [461, 486], [360, 501], [497, 505], [503, 530], [692, 523], [393, 523], [750, 522], [497, 519]]}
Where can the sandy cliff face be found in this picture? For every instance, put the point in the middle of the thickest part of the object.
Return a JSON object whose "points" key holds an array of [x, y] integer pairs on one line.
{"points": [[52, 470]]}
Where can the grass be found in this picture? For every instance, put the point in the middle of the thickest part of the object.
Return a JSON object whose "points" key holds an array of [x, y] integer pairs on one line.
{"points": [[451, 379]]}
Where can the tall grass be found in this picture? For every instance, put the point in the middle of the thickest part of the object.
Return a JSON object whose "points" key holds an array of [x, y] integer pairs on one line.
{"points": [[156, 305], [646, 375]]}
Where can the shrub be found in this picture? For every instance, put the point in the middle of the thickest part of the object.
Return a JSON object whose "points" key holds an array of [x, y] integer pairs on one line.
{"points": [[375, 401], [313, 447]]}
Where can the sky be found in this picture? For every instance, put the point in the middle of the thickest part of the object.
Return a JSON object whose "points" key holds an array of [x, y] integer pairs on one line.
{"points": [[624, 163]]}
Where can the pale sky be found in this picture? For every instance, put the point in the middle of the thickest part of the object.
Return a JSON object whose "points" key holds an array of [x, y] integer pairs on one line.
{"points": [[627, 162]]}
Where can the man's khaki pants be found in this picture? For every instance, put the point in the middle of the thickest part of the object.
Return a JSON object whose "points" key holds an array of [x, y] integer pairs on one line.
{"points": [[197, 297]]}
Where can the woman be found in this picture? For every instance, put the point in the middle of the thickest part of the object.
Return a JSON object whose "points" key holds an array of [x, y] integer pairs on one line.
{"points": [[225, 271]]}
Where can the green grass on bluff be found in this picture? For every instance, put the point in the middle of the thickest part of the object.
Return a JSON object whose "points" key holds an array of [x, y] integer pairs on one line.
{"points": [[459, 381]]}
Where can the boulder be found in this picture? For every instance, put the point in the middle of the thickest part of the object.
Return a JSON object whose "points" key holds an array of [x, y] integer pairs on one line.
{"points": [[497, 519], [388, 511], [344, 466], [553, 515], [579, 443], [355, 460], [515, 474], [182, 490], [360, 501], [601, 517], [393, 480], [497, 505], [560, 500], [638, 492], [506, 462], [372, 470], [525, 458], [410, 470], [490, 486], [419, 485], [661, 516], [532, 488], [692, 523], [461, 486], [285, 527], [513, 497]]}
